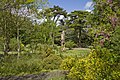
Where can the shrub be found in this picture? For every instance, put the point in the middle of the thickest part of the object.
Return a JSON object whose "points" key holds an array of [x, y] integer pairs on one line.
{"points": [[43, 58], [67, 63], [51, 62], [77, 72], [10, 65], [43, 50], [14, 45], [114, 43], [70, 44], [100, 64], [1, 44]]}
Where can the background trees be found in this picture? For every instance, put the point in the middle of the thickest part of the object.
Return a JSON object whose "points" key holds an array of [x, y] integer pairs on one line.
{"points": [[52, 20], [51, 29], [12, 17], [78, 27]]}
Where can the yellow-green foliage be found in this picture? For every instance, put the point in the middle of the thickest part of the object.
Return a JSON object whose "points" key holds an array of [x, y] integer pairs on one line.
{"points": [[99, 65], [77, 71], [67, 63]]}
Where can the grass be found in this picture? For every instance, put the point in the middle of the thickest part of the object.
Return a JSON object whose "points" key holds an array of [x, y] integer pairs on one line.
{"points": [[76, 52], [58, 78], [12, 52]]}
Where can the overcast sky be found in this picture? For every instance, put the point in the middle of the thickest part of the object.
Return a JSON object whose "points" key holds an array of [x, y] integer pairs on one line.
{"points": [[71, 5]]}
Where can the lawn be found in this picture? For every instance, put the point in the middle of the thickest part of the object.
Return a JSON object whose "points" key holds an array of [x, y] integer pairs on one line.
{"points": [[76, 52]]}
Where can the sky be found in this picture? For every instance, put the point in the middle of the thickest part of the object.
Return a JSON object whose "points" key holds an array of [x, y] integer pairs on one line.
{"points": [[71, 5]]}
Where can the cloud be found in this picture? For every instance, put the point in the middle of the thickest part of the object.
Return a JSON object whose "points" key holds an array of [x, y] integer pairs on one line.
{"points": [[88, 5], [88, 10]]}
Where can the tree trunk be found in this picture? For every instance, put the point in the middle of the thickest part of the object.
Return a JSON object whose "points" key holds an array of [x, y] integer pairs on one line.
{"points": [[6, 45], [79, 38], [7, 41], [18, 42], [52, 35], [53, 40], [63, 40]]}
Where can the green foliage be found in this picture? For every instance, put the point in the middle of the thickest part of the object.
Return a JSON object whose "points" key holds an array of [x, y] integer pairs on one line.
{"points": [[77, 28], [43, 58], [78, 70], [51, 62], [40, 49], [70, 44], [10, 65], [114, 43], [14, 45], [105, 19], [45, 50], [40, 52], [1, 44], [100, 64], [14, 24]]}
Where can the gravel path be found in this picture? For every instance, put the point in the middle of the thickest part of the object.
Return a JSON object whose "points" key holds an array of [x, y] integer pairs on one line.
{"points": [[41, 76]]}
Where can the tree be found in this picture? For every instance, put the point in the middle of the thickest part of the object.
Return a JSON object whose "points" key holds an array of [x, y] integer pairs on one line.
{"points": [[105, 18], [77, 22], [107, 30], [52, 16], [12, 18]]}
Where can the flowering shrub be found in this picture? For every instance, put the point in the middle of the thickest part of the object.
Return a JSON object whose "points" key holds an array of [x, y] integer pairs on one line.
{"points": [[99, 65]]}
